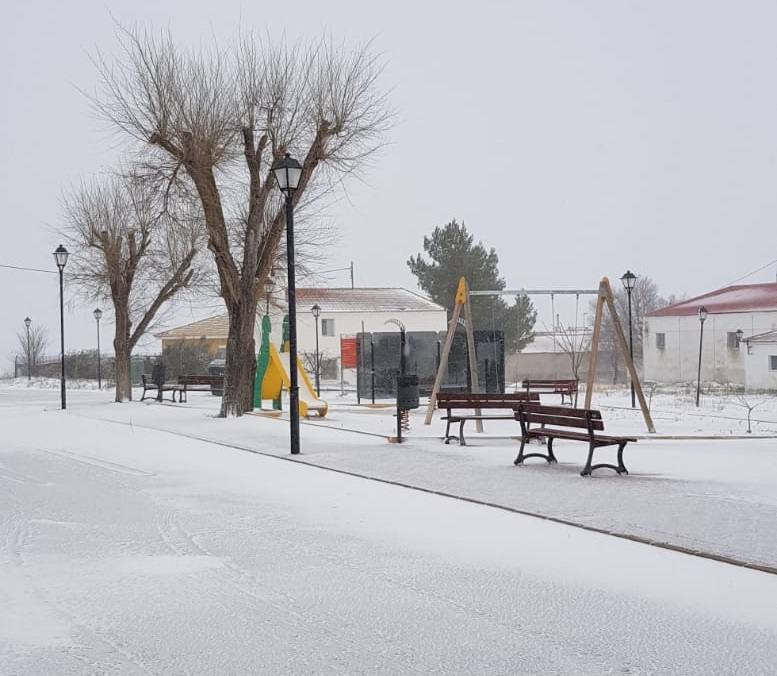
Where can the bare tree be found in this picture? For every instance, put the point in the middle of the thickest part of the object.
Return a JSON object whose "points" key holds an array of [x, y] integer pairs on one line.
{"points": [[136, 245], [576, 344], [748, 403], [222, 117], [32, 346], [644, 299]]}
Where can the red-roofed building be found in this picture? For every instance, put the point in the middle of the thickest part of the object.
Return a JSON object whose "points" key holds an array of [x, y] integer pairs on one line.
{"points": [[672, 335]]}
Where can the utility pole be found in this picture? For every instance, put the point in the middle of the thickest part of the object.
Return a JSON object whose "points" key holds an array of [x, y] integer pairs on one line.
{"points": [[351, 274]]}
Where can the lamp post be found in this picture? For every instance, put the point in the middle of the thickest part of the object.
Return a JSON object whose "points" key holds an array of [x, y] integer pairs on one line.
{"points": [[316, 310], [27, 322], [629, 281], [288, 173], [98, 315], [60, 256], [702, 317], [269, 287]]}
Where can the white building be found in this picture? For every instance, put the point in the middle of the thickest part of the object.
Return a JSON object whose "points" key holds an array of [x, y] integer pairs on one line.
{"points": [[761, 361], [671, 335], [344, 313]]}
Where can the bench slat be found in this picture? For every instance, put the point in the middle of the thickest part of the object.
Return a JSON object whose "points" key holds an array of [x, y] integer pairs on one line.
{"points": [[565, 411], [581, 423]]}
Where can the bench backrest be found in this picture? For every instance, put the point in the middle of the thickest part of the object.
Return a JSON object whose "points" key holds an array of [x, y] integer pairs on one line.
{"points": [[559, 416], [200, 380], [451, 400], [555, 386]]}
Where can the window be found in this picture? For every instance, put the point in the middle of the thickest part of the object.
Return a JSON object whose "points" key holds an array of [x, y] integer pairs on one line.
{"points": [[773, 362], [661, 341], [731, 340], [327, 327]]}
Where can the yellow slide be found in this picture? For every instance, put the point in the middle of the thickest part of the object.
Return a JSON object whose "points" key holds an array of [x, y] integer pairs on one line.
{"points": [[277, 378]]}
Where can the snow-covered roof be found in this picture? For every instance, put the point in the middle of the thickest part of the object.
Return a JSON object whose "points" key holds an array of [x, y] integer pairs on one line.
{"points": [[742, 298], [213, 327], [366, 300], [766, 337], [330, 301]]}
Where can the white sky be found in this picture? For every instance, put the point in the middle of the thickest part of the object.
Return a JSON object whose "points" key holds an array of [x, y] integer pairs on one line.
{"points": [[579, 139]]}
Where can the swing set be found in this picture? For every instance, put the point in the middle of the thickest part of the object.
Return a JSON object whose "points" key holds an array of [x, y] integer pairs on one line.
{"points": [[604, 296]]}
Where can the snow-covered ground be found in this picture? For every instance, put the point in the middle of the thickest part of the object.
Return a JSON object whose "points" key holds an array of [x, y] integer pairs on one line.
{"points": [[132, 549]]}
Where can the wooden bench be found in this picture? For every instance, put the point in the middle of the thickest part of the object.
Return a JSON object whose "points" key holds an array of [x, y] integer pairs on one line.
{"points": [[149, 384], [566, 388], [451, 401], [200, 383], [555, 423]]}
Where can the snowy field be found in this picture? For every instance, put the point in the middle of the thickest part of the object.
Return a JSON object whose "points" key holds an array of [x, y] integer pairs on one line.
{"points": [[145, 539]]}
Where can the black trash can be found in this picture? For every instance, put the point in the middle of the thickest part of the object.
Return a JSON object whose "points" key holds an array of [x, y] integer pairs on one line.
{"points": [[407, 392]]}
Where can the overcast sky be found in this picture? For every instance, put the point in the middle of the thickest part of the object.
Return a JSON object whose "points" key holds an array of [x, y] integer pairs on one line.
{"points": [[578, 138]]}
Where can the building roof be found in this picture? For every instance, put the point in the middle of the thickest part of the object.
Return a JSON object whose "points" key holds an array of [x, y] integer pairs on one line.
{"points": [[366, 300], [329, 300], [742, 298], [766, 337], [213, 327]]}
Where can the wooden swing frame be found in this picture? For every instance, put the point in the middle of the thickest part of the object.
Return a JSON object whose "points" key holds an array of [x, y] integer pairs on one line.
{"points": [[604, 296]]}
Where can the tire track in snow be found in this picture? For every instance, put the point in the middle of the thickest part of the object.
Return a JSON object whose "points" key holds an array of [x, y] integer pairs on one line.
{"points": [[253, 590]]}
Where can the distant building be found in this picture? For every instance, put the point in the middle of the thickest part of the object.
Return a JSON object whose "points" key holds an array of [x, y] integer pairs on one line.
{"points": [[344, 313], [761, 361], [671, 337], [548, 357]]}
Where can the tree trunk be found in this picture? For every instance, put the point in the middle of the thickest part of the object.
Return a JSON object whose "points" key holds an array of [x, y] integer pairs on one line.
{"points": [[238, 368], [123, 352]]}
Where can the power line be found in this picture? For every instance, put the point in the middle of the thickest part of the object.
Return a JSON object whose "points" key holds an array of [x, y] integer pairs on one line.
{"points": [[750, 274], [19, 267]]}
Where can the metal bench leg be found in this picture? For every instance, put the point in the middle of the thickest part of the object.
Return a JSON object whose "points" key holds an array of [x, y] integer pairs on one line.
{"points": [[587, 469], [448, 432], [551, 458], [621, 467], [461, 433], [519, 459]]}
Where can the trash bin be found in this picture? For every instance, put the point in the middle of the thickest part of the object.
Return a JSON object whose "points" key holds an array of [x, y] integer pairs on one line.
{"points": [[407, 392]]}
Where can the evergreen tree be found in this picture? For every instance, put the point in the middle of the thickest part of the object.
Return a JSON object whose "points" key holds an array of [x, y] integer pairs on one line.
{"points": [[453, 253]]}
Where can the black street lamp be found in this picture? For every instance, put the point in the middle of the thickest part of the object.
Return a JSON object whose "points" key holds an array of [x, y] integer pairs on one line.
{"points": [[60, 256], [316, 310], [27, 322], [288, 173], [269, 287], [98, 315], [702, 317], [629, 281]]}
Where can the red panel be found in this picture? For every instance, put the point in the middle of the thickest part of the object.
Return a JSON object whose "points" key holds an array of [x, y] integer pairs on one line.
{"points": [[348, 352]]}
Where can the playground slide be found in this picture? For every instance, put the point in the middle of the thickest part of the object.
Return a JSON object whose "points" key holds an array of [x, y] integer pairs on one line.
{"points": [[278, 370]]}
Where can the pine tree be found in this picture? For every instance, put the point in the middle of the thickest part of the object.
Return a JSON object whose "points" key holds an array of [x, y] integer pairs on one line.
{"points": [[453, 253]]}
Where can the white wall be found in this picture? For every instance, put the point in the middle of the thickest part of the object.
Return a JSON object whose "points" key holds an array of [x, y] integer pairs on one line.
{"points": [[758, 376], [679, 360], [349, 324]]}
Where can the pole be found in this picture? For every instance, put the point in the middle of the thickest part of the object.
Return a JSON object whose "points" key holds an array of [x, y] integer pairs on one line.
{"points": [[29, 366], [698, 375], [294, 385], [372, 367], [318, 367], [99, 369], [351, 274], [62, 337], [631, 348]]}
